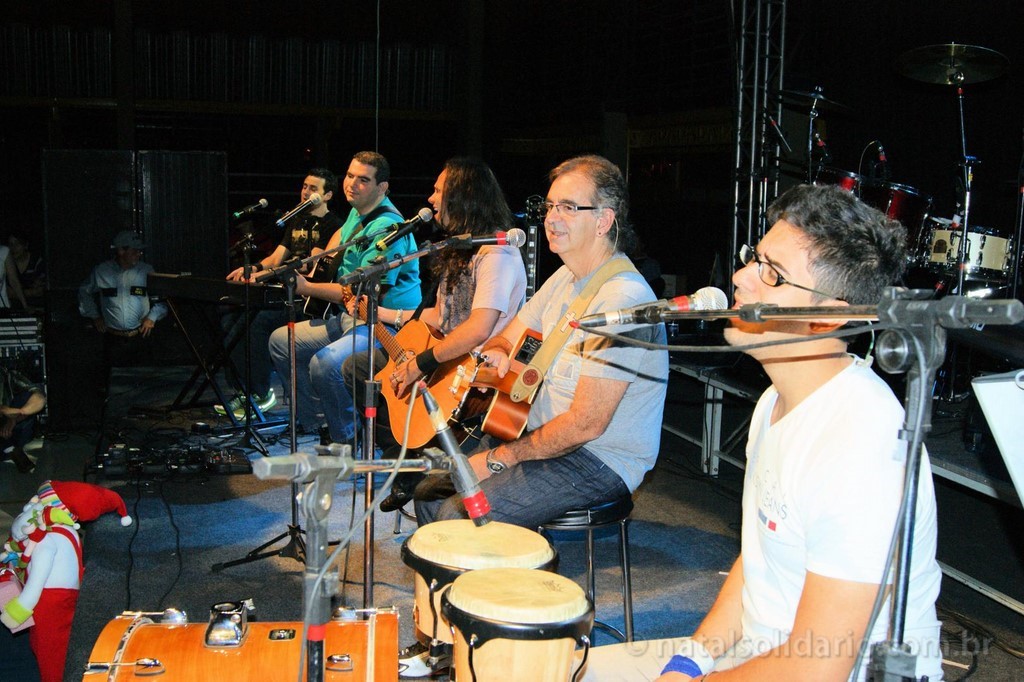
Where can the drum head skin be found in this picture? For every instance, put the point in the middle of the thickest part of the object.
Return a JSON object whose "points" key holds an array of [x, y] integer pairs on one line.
{"points": [[518, 595], [461, 543]]}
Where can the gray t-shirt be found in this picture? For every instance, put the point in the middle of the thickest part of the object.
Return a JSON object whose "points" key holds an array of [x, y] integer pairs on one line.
{"points": [[629, 446], [496, 280]]}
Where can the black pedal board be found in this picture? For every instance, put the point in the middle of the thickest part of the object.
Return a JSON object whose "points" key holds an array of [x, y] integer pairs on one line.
{"points": [[231, 461]]}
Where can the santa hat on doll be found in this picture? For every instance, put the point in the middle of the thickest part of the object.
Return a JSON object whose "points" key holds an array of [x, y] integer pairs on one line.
{"points": [[85, 501]]}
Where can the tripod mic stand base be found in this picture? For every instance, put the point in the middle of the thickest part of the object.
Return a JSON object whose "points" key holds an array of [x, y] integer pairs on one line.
{"points": [[256, 426], [295, 548]]}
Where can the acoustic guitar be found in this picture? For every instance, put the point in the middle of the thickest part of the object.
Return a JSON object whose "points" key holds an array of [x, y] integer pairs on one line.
{"points": [[505, 418], [324, 270], [449, 383]]}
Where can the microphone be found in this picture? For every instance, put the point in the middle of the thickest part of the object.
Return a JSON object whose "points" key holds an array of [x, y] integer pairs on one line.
{"points": [[465, 479], [514, 237], [262, 203], [313, 200], [882, 161], [819, 141], [424, 215], [708, 298]]}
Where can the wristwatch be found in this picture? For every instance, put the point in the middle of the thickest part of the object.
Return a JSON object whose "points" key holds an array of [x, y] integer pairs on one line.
{"points": [[494, 465]]}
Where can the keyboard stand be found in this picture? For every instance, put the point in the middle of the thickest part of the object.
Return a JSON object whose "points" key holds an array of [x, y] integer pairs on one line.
{"points": [[208, 366]]}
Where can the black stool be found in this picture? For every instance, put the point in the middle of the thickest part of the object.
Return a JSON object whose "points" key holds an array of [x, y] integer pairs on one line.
{"points": [[588, 520]]}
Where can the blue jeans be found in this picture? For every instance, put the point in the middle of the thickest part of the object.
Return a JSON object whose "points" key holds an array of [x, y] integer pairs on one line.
{"points": [[331, 385], [263, 324], [311, 336], [531, 493]]}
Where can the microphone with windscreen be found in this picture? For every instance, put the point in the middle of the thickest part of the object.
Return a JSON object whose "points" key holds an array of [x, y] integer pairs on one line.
{"points": [[708, 298], [313, 201]]}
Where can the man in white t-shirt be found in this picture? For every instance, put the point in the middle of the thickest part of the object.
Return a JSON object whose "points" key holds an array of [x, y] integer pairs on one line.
{"points": [[824, 475]]}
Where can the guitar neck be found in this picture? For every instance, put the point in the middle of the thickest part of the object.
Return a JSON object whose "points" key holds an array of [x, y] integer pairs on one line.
{"points": [[387, 339], [390, 343]]}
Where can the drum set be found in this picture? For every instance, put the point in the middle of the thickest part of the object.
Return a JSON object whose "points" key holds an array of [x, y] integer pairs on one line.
{"points": [[951, 255]]}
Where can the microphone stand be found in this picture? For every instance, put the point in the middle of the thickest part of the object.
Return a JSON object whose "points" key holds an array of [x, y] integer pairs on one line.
{"points": [[251, 437], [1018, 234], [371, 275], [318, 473], [295, 547]]}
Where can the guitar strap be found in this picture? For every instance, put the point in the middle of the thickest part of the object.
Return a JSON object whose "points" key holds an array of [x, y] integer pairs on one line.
{"points": [[373, 215], [363, 222], [526, 385], [370, 217]]}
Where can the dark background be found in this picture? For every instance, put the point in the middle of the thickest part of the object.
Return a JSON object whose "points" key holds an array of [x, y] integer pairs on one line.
{"points": [[522, 83]]}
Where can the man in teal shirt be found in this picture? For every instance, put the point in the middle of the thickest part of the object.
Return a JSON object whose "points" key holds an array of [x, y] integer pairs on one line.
{"points": [[322, 346]]}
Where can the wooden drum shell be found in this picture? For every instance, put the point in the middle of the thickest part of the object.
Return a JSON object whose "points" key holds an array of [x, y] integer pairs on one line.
{"points": [[372, 645]]}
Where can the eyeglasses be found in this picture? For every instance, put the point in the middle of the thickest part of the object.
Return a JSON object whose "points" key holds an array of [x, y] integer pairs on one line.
{"points": [[769, 275], [566, 209]]}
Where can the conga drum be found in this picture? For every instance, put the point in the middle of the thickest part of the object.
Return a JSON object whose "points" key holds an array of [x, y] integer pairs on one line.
{"points": [[441, 551], [517, 624], [131, 647]]}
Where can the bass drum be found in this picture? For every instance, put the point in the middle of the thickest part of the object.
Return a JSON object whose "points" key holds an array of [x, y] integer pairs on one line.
{"points": [[851, 182], [899, 202], [133, 646]]}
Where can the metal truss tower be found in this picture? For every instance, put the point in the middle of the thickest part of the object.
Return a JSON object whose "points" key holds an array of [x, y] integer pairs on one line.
{"points": [[760, 43]]}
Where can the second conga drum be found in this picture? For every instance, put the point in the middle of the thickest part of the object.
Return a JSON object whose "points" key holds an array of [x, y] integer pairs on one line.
{"points": [[440, 552], [517, 624]]}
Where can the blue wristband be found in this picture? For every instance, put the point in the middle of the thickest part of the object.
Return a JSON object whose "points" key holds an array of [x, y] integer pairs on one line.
{"points": [[682, 664]]}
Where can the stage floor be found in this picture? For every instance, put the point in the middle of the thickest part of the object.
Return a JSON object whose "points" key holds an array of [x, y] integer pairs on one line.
{"points": [[683, 536]]}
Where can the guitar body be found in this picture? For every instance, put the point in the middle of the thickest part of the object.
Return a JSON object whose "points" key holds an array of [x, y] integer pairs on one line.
{"points": [[323, 270], [449, 383], [505, 418]]}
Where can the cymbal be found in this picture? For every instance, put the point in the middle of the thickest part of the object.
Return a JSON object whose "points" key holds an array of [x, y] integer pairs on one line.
{"points": [[952, 64], [808, 99]]}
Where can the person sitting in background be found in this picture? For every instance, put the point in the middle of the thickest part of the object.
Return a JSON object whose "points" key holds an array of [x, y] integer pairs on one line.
{"points": [[30, 267], [10, 280], [20, 401], [124, 313]]}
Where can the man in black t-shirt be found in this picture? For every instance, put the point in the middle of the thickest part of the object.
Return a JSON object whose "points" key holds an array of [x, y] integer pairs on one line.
{"points": [[304, 235]]}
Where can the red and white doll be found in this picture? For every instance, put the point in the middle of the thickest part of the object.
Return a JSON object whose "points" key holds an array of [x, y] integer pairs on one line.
{"points": [[45, 550]]}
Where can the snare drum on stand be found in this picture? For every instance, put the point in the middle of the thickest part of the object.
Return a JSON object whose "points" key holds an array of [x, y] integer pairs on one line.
{"points": [[517, 624], [440, 552], [987, 257]]}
